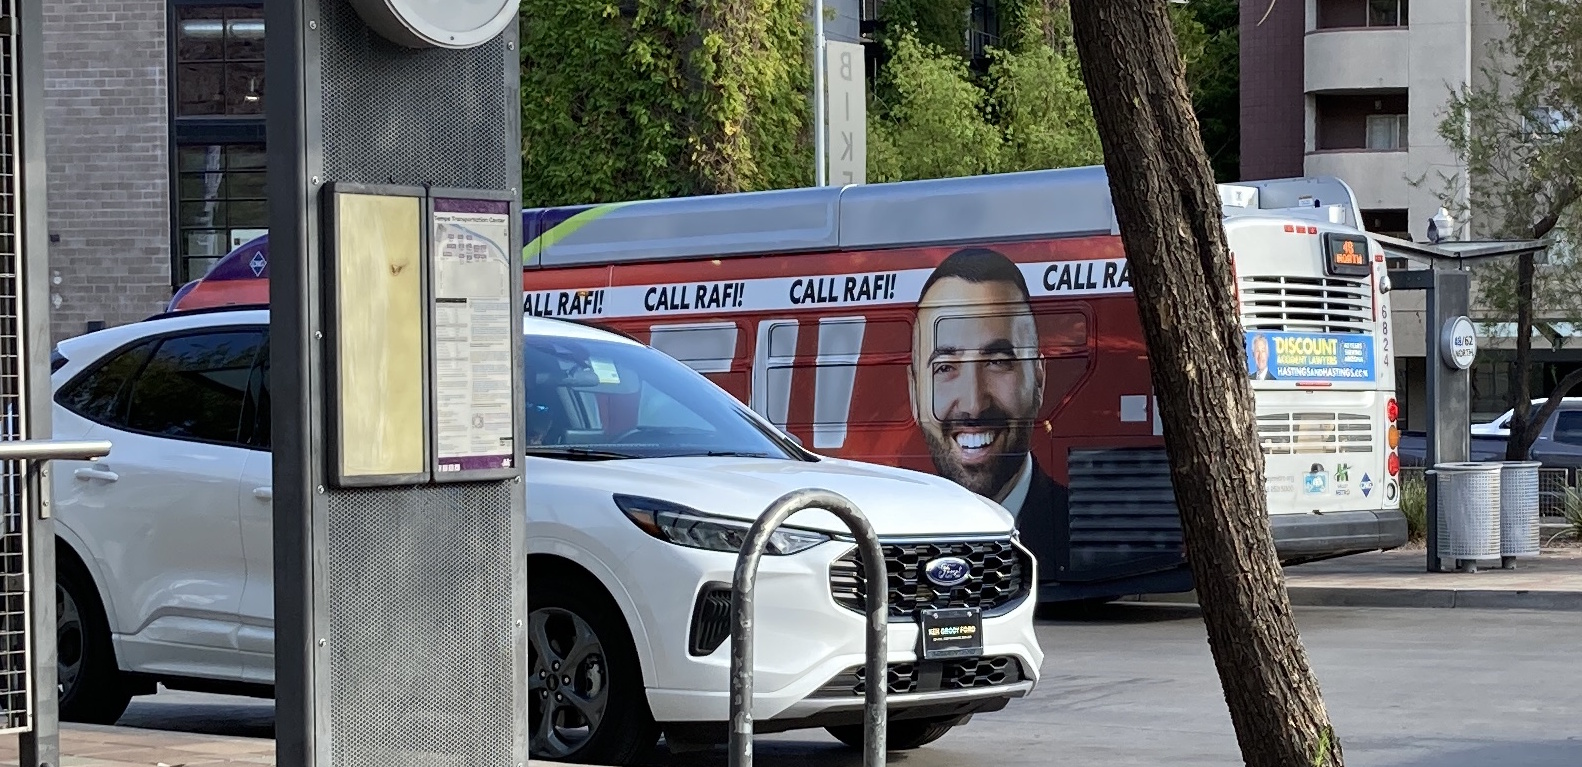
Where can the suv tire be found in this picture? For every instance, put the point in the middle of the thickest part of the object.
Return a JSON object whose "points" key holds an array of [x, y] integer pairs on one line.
{"points": [[92, 689], [577, 618], [903, 735]]}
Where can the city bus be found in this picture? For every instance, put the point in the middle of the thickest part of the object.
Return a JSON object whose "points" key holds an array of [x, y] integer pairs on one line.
{"points": [[985, 329]]}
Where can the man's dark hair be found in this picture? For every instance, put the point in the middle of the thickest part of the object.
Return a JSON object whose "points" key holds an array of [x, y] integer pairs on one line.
{"points": [[977, 265]]}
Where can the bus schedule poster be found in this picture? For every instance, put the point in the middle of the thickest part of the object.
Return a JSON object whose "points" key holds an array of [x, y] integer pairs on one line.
{"points": [[475, 326], [1283, 356]]}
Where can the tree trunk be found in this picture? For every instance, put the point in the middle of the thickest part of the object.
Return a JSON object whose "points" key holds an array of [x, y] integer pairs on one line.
{"points": [[1542, 414], [1524, 430], [1169, 213], [1521, 439]]}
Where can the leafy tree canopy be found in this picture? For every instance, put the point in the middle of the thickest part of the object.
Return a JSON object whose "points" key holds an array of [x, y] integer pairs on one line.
{"points": [[1514, 130]]}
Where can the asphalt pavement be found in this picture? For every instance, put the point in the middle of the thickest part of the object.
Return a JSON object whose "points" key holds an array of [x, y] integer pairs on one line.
{"points": [[1133, 684]]}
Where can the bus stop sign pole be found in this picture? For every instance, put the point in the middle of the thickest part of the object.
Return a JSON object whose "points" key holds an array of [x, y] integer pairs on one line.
{"points": [[1449, 389], [394, 143]]}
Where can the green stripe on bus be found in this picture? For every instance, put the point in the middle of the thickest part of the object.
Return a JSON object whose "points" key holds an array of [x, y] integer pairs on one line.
{"points": [[565, 229]]}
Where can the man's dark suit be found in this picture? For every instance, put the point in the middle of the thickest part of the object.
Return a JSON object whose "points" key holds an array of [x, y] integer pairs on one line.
{"points": [[1045, 513]]}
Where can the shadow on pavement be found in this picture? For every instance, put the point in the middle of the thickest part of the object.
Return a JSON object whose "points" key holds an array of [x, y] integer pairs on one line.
{"points": [[1118, 612], [203, 715], [774, 753], [1542, 753]]}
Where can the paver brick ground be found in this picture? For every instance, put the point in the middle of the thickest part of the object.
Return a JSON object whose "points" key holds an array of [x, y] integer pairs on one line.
{"points": [[96, 746]]}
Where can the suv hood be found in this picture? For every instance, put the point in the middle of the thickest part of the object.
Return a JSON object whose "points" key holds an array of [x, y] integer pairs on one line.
{"points": [[898, 502]]}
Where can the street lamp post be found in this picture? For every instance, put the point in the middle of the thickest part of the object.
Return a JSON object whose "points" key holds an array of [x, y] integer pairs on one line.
{"points": [[820, 171]]}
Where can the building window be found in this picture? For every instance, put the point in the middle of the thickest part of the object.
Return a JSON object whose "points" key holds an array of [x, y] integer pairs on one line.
{"points": [[217, 131], [1491, 387], [983, 30], [1390, 222], [1386, 132], [222, 203], [1353, 14], [1360, 121], [219, 53]]}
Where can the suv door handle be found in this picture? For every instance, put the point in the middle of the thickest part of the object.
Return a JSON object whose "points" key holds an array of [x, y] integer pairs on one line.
{"points": [[264, 493], [100, 474]]}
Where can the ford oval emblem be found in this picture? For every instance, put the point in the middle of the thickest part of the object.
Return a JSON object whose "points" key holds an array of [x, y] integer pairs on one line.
{"points": [[948, 571]]}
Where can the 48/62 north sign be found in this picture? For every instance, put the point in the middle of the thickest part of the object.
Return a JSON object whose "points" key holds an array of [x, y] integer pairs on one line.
{"points": [[1458, 343]]}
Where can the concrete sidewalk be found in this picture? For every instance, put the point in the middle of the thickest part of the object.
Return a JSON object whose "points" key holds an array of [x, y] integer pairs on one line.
{"points": [[84, 745], [1550, 581], [95, 746]]}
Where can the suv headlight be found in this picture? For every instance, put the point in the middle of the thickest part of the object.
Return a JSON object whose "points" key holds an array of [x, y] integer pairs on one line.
{"points": [[683, 526]]}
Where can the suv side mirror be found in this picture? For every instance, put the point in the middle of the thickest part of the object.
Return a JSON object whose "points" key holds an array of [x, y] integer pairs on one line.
{"points": [[793, 438]]}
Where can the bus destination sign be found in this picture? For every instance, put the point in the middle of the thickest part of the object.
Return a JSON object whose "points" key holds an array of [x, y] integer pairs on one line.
{"points": [[1346, 255]]}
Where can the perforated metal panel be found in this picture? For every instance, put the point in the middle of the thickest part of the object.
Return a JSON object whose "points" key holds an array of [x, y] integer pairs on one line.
{"points": [[457, 121], [420, 626], [418, 602], [1519, 524], [15, 667], [1469, 510]]}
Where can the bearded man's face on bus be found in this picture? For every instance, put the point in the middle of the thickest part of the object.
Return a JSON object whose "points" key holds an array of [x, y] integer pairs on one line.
{"points": [[977, 381]]}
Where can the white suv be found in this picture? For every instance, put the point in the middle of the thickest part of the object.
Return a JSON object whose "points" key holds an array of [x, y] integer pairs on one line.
{"points": [[644, 478]]}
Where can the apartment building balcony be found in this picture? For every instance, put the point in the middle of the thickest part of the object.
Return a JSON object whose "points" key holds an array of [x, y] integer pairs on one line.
{"points": [[1377, 177], [1353, 59]]}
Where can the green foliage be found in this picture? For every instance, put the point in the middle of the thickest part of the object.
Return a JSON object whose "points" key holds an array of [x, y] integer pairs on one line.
{"points": [[1513, 130], [935, 116], [752, 108], [937, 24], [632, 99], [655, 98], [1041, 107], [1209, 33], [1571, 509], [934, 125], [1414, 504], [1326, 750]]}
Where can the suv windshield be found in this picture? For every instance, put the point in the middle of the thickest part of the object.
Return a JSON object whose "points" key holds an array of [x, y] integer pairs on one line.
{"points": [[594, 399]]}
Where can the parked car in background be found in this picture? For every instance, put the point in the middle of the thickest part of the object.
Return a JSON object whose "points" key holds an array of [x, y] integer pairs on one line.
{"points": [[1559, 443], [1501, 426]]}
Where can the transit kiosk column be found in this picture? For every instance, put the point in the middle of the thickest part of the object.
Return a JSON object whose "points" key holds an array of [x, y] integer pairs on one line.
{"points": [[399, 520]]}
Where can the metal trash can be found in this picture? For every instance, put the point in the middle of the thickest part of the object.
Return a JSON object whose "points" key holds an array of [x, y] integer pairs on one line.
{"points": [[1519, 511], [1469, 512]]}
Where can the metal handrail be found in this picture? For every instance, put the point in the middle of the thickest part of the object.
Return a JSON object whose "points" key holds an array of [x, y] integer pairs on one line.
{"points": [[52, 450], [875, 713]]}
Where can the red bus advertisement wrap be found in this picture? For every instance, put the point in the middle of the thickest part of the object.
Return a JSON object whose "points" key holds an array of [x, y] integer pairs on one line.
{"points": [[1018, 352], [985, 330]]}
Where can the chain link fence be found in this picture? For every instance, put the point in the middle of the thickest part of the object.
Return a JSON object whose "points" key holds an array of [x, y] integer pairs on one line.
{"points": [[1554, 486]]}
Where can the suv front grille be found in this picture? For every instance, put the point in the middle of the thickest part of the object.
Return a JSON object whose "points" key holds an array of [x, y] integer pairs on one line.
{"points": [[998, 581], [906, 678]]}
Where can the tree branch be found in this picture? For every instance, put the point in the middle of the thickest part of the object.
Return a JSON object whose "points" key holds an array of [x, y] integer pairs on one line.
{"points": [[1567, 195], [1541, 417]]}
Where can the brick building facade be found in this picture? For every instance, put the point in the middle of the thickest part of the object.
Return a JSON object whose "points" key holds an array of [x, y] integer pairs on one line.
{"points": [[154, 110], [107, 114]]}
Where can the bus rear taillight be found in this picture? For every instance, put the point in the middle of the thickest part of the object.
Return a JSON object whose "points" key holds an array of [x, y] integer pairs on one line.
{"points": [[1392, 411]]}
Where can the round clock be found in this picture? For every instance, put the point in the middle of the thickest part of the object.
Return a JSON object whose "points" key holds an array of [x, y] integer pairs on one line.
{"points": [[437, 23]]}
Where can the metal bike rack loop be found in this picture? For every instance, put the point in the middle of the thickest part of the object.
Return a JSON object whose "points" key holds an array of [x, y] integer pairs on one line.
{"points": [[872, 558], [52, 450]]}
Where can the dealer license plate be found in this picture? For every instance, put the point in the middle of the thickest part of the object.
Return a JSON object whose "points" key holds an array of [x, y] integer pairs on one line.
{"points": [[955, 632]]}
